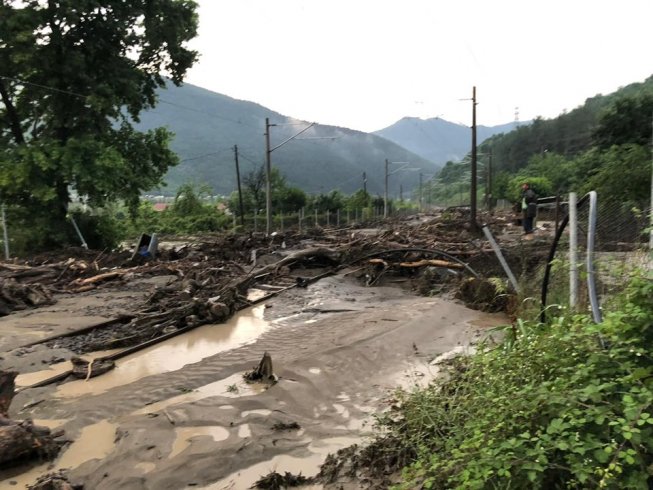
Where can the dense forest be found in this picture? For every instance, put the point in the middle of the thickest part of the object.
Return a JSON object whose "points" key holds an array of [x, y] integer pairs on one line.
{"points": [[601, 145]]}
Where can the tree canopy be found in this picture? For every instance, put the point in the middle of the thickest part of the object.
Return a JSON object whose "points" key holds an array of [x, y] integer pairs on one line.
{"points": [[74, 75]]}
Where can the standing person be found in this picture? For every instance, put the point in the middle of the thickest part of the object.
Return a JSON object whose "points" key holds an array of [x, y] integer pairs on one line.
{"points": [[529, 207]]}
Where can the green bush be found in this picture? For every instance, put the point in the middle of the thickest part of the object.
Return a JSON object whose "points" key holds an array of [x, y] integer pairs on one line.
{"points": [[32, 230], [566, 405]]}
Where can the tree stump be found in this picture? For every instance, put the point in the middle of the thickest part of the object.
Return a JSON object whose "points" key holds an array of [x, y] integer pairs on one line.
{"points": [[263, 372]]}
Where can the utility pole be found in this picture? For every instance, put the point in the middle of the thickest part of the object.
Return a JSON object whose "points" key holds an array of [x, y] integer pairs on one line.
{"points": [[473, 183], [421, 177], [268, 183], [268, 168], [385, 194], [240, 192], [365, 182]]}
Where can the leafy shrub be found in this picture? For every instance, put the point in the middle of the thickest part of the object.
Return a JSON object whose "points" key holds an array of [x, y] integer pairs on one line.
{"points": [[566, 405]]}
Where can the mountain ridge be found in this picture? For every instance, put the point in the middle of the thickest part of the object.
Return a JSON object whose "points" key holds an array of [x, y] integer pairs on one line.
{"points": [[439, 140]]}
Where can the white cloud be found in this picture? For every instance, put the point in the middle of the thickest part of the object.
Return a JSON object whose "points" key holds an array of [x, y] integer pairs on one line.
{"points": [[366, 63]]}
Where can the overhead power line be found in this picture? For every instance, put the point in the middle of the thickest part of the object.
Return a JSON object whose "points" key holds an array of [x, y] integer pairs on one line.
{"points": [[160, 99]]}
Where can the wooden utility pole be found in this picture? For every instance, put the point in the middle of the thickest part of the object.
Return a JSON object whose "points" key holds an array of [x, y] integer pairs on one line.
{"points": [[488, 190], [240, 192], [472, 203], [268, 180]]}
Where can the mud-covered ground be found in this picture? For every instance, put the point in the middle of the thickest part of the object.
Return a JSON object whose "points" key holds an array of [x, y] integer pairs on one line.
{"points": [[179, 415]]}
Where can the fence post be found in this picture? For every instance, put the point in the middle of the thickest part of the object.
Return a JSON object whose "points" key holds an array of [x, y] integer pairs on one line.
{"points": [[573, 251], [501, 258], [79, 233], [557, 217], [327, 217], [591, 284], [301, 215], [315, 217], [338, 218], [5, 235]]}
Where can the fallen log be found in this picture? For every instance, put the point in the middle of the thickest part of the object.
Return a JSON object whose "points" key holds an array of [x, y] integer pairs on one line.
{"points": [[84, 369], [21, 439], [54, 481], [16, 296], [431, 263]]}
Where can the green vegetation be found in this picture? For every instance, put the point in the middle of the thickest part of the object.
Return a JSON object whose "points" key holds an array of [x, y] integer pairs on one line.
{"points": [[600, 146], [193, 211], [74, 77], [564, 405]]}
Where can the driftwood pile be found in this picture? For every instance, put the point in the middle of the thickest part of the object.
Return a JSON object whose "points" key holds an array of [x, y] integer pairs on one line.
{"points": [[209, 279]]}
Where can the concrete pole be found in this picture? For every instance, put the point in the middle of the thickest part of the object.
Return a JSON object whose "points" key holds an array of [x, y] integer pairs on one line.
{"points": [[268, 179], [573, 251]]}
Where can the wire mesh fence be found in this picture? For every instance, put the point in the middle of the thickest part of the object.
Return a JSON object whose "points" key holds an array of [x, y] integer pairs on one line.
{"points": [[605, 255]]}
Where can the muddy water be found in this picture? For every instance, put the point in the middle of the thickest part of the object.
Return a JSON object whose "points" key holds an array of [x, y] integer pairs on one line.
{"points": [[306, 466], [184, 436], [233, 387], [243, 328], [95, 442], [28, 379]]}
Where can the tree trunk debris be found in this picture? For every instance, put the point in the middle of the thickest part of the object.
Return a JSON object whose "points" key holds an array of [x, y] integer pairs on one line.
{"points": [[21, 439]]}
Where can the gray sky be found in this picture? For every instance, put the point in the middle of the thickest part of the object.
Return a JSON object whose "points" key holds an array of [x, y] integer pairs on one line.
{"points": [[365, 64]]}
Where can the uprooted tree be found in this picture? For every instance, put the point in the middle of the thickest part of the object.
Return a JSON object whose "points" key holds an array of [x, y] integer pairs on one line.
{"points": [[75, 74]]}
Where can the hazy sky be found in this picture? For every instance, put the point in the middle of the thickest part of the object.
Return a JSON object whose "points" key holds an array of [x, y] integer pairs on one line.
{"points": [[364, 64]]}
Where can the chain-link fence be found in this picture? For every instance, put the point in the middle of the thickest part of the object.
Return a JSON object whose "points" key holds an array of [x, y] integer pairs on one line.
{"points": [[611, 241]]}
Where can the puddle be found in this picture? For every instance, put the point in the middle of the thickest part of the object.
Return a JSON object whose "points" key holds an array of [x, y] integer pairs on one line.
{"points": [[308, 466], [254, 294], [28, 379], [234, 386], [145, 467], [244, 431], [261, 411], [185, 435], [94, 442], [50, 423], [243, 328], [341, 410]]}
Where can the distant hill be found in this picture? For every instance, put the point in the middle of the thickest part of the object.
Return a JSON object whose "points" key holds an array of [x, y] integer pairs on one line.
{"points": [[207, 125], [569, 134], [438, 140]]}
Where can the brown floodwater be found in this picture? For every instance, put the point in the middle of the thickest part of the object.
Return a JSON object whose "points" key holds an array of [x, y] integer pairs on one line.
{"points": [[307, 466], [233, 387], [173, 354], [94, 442]]}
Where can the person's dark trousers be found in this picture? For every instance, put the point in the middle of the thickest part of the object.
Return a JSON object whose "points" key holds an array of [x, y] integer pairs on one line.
{"points": [[528, 225]]}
